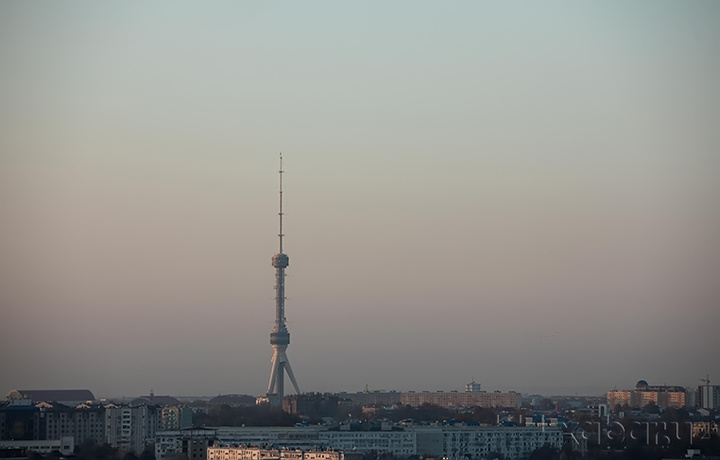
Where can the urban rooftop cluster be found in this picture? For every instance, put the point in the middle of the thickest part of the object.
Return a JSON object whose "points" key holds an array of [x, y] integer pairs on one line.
{"points": [[453, 425]]}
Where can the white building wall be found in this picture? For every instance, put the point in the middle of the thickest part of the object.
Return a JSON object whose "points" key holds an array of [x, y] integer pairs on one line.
{"points": [[511, 442], [450, 442], [399, 443], [250, 453], [64, 445], [131, 428], [709, 396]]}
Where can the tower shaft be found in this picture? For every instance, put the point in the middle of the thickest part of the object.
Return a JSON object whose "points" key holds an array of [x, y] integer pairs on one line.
{"points": [[280, 337]]}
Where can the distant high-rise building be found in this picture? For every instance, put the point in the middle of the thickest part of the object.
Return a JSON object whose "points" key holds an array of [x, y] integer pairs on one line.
{"points": [[708, 395], [132, 428], [176, 417], [618, 397], [462, 399], [473, 387], [644, 394]]}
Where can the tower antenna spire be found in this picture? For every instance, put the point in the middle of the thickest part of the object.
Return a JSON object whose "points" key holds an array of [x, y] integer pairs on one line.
{"points": [[281, 235]]}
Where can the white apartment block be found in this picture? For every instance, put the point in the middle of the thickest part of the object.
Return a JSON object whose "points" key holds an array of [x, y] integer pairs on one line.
{"points": [[82, 423], [436, 441], [511, 442], [399, 443], [131, 428], [708, 396], [305, 437], [176, 417]]}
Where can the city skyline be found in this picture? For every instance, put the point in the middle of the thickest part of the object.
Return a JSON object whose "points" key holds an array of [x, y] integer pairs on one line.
{"points": [[522, 195]]}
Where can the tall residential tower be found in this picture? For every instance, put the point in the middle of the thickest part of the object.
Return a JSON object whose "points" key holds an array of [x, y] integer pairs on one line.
{"points": [[280, 337]]}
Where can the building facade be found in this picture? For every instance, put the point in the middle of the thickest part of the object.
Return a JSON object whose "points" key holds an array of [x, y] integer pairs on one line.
{"points": [[255, 453], [644, 394], [618, 398], [450, 442], [64, 445], [708, 396], [481, 442], [192, 442], [176, 417], [23, 420], [473, 396], [453, 399], [132, 428]]}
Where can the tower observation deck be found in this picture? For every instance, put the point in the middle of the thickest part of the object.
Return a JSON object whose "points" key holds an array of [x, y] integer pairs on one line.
{"points": [[280, 337]]}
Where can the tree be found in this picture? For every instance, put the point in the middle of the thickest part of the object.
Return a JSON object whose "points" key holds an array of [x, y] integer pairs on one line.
{"points": [[651, 408], [86, 448], [546, 404], [546, 452], [484, 415], [672, 414], [263, 415], [104, 451], [147, 454]]}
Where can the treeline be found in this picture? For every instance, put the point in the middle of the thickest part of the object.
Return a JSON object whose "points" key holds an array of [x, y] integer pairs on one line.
{"points": [[260, 415], [429, 413], [89, 450]]}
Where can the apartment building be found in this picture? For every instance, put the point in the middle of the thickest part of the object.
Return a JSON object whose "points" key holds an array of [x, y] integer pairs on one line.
{"points": [[451, 442], [453, 399], [132, 428], [192, 442]]}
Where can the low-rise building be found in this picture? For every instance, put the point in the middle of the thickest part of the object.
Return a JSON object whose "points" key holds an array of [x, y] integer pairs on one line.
{"points": [[64, 445], [256, 453]]}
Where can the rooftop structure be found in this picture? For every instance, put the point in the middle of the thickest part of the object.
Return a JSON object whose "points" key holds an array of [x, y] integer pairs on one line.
{"points": [[70, 397]]}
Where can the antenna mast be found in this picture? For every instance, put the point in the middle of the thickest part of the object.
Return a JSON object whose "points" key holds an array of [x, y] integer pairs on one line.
{"points": [[280, 214]]}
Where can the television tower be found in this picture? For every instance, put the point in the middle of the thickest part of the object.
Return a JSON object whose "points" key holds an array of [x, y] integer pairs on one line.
{"points": [[280, 337]]}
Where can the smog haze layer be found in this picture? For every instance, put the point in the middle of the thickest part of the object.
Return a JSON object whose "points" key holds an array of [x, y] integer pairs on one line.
{"points": [[522, 194]]}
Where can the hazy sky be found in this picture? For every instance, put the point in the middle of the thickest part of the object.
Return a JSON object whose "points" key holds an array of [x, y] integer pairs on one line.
{"points": [[526, 194]]}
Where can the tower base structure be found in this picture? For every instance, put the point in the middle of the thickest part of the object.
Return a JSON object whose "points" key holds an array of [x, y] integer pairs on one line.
{"points": [[280, 365]]}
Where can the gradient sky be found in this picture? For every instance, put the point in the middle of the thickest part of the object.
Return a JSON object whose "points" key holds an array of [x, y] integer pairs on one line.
{"points": [[523, 194]]}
